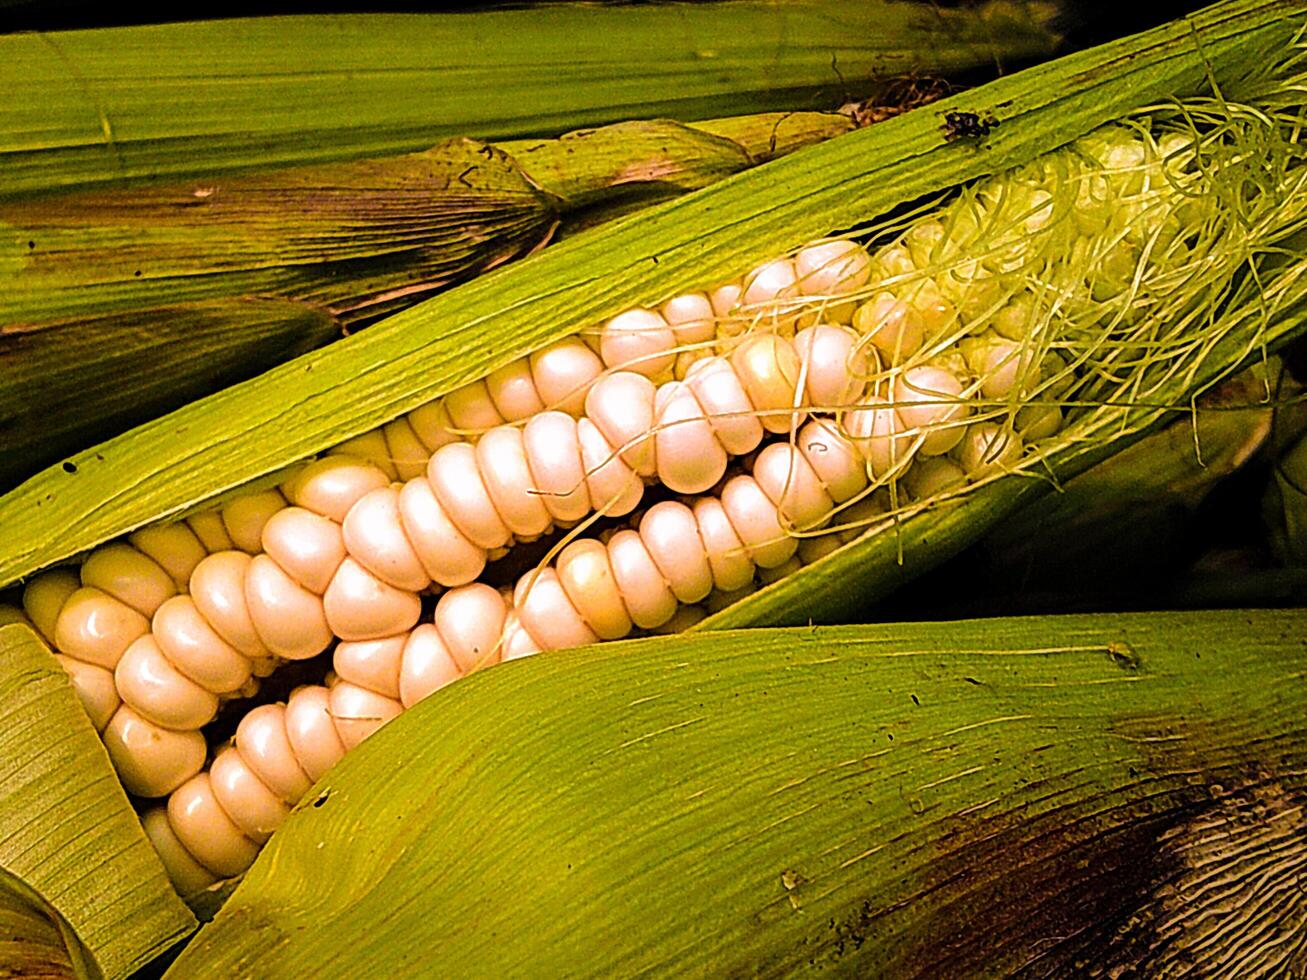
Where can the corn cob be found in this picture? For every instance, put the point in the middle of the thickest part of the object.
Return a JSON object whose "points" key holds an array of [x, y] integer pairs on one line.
{"points": [[953, 351]]}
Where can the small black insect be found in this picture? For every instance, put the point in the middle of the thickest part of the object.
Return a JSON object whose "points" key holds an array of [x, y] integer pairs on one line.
{"points": [[967, 125]]}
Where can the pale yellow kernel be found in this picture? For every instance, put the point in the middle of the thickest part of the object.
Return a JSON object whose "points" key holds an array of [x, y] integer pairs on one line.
{"points": [[174, 547], [1016, 318], [208, 527], [933, 476], [587, 577], [894, 327], [94, 687], [1035, 422], [129, 576], [771, 373], [95, 627], [988, 448], [682, 620], [12, 615], [718, 600], [432, 425], [205, 830], [371, 446], [406, 449], [471, 409], [44, 597], [245, 516], [187, 875], [151, 761], [330, 486], [815, 548], [768, 575], [924, 242]]}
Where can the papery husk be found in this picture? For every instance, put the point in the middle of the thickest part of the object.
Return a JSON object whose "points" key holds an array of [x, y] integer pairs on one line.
{"points": [[72, 852]]}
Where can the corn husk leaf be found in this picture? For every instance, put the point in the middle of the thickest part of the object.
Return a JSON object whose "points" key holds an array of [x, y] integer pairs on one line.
{"points": [[173, 100], [1284, 505], [656, 156], [1120, 534], [761, 136], [1172, 470], [31, 943], [71, 849], [362, 237], [1001, 797], [343, 236], [324, 397], [67, 384]]}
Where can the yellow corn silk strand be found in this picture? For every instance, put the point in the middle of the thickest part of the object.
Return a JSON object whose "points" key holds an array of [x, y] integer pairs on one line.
{"points": [[742, 432]]}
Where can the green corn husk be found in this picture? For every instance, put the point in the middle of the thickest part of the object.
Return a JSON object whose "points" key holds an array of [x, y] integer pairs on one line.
{"points": [[170, 101], [258, 428], [73, 857], [1284, 504], [591, 167], [988, 798], [1119, 534], [117, 306], [68, 383]]}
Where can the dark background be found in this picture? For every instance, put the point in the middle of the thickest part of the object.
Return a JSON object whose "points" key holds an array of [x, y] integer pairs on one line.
{"points": [[1086, 22]]}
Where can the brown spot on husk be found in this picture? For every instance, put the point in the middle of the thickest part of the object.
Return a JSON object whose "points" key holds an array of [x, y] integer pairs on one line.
{"points": [[1194, 865]]}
